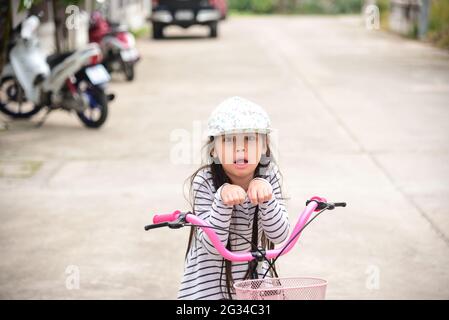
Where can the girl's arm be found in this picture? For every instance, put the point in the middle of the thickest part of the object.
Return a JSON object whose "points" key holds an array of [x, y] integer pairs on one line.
{"points": [[210, 207], [273, 214]]}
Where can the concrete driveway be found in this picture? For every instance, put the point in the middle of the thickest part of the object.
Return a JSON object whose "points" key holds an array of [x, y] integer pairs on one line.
{"points": [[362, 117]]}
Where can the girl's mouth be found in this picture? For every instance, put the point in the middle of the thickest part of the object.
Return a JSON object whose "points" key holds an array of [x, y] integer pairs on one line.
{"points": [[241, 163]]}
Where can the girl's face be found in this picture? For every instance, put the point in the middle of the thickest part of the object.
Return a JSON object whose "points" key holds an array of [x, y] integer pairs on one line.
{"points": [[239, 154]]}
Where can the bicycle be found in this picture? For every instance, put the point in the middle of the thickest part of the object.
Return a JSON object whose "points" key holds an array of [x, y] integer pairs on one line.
{"points": [[298, 288]]}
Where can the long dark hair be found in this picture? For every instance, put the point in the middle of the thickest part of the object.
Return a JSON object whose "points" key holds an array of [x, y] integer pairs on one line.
{"points": [[219, 177]]}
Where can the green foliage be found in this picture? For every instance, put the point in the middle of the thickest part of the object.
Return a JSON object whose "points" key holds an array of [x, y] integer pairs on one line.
{"points": [[256, 6], [347, 6], [26, 4], [384, 11], [330, 6], [439, 15], [294, 6], [310, 7], [384, 5], [240, 5], [141, 32], [439, 23], [262, 6]]}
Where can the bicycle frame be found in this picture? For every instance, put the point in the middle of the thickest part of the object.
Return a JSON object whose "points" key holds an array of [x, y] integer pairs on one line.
{"points": [[177, 219]]}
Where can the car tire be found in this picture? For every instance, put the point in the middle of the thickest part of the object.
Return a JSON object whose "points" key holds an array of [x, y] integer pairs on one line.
{"points": [[213, 29], [158, 31]]}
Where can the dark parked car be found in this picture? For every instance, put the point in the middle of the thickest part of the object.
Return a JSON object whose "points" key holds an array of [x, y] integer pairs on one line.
{"points": [[186, 13]]}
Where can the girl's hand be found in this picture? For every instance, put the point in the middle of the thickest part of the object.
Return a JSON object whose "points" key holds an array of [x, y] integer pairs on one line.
{"points": [[232, 194], [259, 191]]}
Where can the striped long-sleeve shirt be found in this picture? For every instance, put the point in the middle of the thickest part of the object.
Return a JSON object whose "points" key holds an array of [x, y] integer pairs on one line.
{"points": [[204, 272]]}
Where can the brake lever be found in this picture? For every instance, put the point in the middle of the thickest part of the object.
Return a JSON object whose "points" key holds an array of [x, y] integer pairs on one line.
{"points": [[321, 205], [179, 222], [327, 205]]}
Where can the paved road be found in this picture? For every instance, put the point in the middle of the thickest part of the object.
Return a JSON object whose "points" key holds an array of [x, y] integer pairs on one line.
{"points": [[362, 117]]}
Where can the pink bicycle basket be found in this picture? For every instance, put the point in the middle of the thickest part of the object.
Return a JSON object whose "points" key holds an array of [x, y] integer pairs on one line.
{"points": [[303, 288]]}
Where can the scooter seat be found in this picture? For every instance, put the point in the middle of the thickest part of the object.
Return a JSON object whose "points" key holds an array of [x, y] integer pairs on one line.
{"points": [[55, 59]]}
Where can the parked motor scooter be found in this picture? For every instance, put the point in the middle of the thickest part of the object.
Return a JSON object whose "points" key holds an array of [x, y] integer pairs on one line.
{"points": [[117, 44], [72, 81]]}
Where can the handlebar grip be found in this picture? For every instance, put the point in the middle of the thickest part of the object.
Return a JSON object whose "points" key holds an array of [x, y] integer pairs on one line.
{"points": [[154, 226], [340, 204], [158, 218]]}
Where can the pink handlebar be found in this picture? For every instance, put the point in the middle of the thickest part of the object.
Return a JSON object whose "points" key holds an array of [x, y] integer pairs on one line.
{"points": [[159, 218], [246, 256]]}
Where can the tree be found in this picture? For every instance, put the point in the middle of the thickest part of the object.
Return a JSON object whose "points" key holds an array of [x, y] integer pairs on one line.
{"points": [[5, 30], [58, 6]]}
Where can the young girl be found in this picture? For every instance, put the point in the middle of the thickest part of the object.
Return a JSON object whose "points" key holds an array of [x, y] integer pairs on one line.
{"points": [[239, 181]]}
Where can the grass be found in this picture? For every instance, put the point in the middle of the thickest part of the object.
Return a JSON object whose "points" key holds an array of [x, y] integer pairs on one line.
{"points": [[19, 169]]}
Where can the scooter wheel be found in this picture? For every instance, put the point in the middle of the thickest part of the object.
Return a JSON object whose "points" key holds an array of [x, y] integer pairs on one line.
{"points": [[96, 113], [128, 69], [13, 102]]}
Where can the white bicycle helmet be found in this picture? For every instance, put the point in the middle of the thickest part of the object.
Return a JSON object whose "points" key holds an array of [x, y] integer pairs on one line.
{"points": [[238, 115]]}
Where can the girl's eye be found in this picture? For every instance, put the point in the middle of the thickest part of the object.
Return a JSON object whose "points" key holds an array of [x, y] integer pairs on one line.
{"points": [[228, 139], [231, 139]]}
